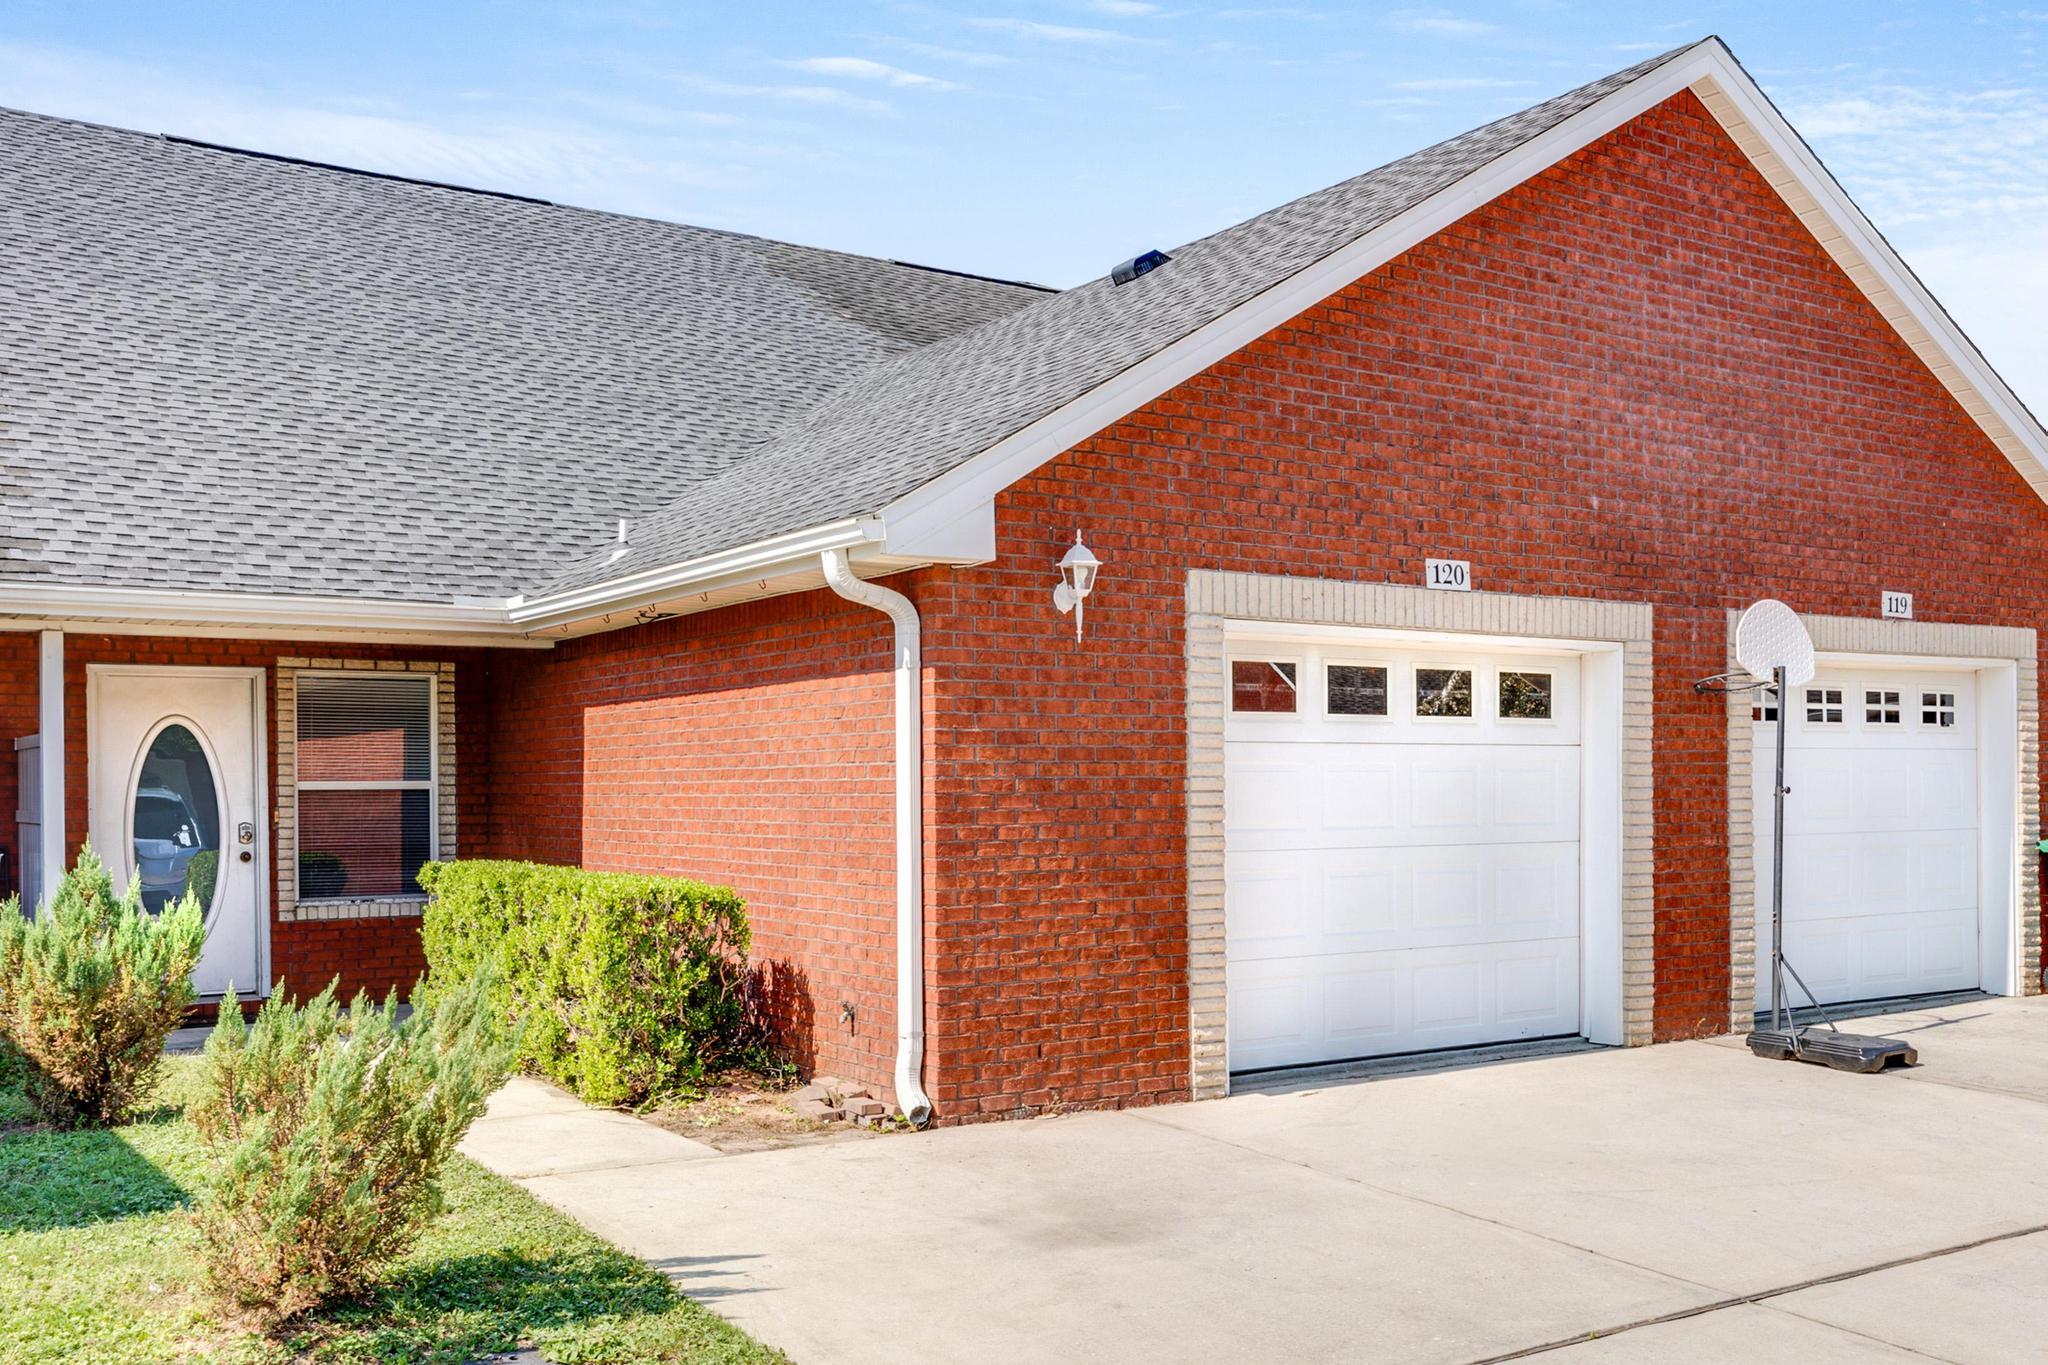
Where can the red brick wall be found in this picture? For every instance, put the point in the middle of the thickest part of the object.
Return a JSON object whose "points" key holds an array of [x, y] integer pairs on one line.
{"points": [[369, 954], [749, 747], [1636, 377]]}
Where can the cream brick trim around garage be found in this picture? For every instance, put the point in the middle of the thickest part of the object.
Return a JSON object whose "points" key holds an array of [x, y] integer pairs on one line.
{"points": [[1865, 635], [1216, 599], [289, 910]]}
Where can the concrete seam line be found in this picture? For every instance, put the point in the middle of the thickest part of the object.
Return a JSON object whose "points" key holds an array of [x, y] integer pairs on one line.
{"points": [[1859, 1334], [1763, 1295]]}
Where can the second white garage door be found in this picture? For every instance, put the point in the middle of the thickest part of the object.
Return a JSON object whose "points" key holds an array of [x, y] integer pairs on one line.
{"points": [[1401, 850], [1881, 835]]}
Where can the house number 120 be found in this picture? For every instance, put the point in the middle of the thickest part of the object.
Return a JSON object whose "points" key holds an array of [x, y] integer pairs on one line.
{"points": [[1452, 575]]}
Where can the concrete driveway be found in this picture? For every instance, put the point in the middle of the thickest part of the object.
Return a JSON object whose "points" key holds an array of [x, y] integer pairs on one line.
{"points": [[1670, 1204]]}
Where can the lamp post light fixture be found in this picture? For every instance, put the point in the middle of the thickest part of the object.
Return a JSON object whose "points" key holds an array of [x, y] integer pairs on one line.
{"points": [[1077, 579]]}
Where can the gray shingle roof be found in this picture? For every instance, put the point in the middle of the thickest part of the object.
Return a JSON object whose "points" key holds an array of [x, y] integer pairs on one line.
{"points": [[221, 371], [908, 420]]}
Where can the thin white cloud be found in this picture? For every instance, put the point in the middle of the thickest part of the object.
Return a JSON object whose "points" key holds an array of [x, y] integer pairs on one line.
{"points": [[1958, 180], [1275, 12], [965, 56], [862, 69], [540, 156], [1051, 33], [1459, 83], [827, 95], [1123, 9], [1439, 23]]}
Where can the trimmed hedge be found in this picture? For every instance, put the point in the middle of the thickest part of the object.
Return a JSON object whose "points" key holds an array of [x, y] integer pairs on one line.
{"points": [[626, 988]]}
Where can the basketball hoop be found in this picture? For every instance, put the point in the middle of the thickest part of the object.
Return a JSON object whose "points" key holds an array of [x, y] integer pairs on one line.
{"points": [[1773, 647]]}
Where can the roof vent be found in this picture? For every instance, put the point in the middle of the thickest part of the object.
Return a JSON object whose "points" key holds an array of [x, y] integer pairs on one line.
{"points": [[1138, 265]]}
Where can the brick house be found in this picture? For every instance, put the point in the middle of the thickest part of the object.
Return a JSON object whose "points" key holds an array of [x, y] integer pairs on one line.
{"points": [[451, 522]]}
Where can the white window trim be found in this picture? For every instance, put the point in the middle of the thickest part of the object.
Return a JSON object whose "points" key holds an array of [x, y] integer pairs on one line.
{"points": [[1807, 705], [1498, 673], [1473, 676], [286, 817], [1301, 684], [1943, 709], [1338, 659]]}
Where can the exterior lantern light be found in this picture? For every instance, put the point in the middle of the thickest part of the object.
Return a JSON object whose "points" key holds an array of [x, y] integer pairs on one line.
{"points": [[1077, 579]]}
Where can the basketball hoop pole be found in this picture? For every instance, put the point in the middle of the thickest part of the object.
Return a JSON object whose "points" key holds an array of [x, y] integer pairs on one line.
{"points": [[1771, 641], [1778, 1011]]}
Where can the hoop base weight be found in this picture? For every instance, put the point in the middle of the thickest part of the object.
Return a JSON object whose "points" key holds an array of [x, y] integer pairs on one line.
{"points": [[1860, 1052]]}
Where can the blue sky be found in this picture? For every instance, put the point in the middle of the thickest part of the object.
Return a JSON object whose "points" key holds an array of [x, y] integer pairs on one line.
{"points": [[1047, 139]]}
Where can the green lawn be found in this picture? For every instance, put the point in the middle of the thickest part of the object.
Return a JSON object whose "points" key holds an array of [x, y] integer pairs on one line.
{"points": [[96, 1265]]}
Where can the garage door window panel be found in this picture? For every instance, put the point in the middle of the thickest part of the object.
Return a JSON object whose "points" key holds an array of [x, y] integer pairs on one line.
{"points": [[1824, 706], [1938, 709], [1880, 706], [1443, 693], [1265, 687], [1357, 691], [1525, 694]]}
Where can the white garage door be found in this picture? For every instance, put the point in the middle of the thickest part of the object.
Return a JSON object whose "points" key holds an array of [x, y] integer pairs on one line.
{"points": [[1401, 850], [1881, 841]]}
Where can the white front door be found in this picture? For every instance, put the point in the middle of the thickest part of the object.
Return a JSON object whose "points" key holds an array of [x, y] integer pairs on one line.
{"points": [[176, 801], [1881, 835], [1401, 850]]}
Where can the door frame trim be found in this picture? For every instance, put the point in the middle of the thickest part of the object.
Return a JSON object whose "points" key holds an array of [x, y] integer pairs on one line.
{"points": [[260, 762], [2003, 659], [1613, 640]]}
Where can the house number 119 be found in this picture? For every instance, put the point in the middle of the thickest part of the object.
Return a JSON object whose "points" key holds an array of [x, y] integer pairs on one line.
{"points": [[1452, 575]]}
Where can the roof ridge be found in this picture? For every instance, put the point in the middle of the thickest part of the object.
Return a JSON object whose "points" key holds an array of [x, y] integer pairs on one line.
{"points": [[337, 168]]}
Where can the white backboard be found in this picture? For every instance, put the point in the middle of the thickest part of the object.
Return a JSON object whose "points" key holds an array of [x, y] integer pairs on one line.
{"points": [[1770, 635]]}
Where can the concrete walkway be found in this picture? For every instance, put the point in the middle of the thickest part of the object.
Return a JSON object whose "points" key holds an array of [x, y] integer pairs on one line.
{"points": [[1674, 1204]]}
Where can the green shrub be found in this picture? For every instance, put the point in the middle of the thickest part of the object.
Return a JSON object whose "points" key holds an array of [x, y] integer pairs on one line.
{"points": [[90, 990], [629, 988], [326, 1135]]}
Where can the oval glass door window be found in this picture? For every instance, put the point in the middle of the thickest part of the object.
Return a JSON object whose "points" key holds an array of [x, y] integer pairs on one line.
{"points": [[176, 821]]}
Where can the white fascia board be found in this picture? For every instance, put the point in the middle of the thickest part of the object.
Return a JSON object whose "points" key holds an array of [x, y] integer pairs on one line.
{"points": [[129, 611], [654, 588], [1709, 70]]}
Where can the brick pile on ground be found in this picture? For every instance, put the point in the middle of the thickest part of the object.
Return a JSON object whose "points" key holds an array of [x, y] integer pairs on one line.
{"points": [[828, 1099]]}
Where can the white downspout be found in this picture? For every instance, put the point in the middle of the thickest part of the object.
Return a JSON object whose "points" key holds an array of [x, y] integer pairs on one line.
{"points": [[911, 1100]]}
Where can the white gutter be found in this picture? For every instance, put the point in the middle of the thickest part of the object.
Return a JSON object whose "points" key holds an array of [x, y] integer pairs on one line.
{"points": [[257, 610], [630, 591], [911, 1100]]}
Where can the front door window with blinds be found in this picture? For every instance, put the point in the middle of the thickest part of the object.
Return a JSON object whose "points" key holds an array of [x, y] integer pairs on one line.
{"points": [[365, 784]]}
